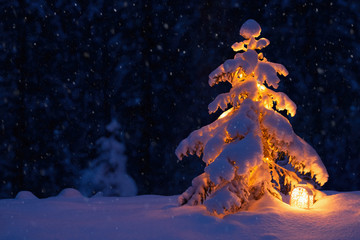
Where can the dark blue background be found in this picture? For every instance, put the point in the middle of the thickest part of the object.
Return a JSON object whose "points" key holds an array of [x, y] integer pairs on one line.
{"points": [[69, 67]]}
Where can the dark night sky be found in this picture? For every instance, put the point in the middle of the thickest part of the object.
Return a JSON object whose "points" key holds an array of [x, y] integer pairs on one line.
{"points": [[68, 68]]}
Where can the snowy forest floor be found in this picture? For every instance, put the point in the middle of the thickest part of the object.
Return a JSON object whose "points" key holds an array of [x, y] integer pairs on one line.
{"points": [[71, 216]]}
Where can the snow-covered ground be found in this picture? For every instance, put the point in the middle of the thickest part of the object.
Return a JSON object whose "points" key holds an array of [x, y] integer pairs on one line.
{"points": [[71, 216]]}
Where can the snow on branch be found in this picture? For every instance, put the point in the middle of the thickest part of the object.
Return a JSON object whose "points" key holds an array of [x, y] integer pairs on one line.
{"points": [[302, 155]]}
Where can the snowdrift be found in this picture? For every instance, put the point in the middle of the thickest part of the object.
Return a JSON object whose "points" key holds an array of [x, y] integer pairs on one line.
{"points": [[72, 216]]}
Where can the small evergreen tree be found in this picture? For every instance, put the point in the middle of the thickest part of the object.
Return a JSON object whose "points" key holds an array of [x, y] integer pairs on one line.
{"points": [[251, 148], [107, 173]]}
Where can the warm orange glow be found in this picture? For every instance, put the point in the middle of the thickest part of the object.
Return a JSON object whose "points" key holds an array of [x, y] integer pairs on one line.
{"points": [[224, 114], [262, 87], [302, 197]]}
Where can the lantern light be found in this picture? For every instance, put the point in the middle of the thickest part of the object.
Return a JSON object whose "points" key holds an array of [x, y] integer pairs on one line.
{"points": [[302, 197]]}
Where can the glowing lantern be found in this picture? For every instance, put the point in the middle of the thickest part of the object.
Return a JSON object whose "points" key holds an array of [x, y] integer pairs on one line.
{"points": [[302, 197]]}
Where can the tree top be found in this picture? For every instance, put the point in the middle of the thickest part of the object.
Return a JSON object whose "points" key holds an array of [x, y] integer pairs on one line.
{"points": [[250, 29]]}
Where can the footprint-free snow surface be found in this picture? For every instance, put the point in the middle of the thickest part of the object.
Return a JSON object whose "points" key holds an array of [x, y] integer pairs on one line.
{"points": [[71, 216]]}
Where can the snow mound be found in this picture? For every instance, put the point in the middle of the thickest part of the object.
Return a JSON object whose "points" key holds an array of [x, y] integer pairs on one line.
{"points": [[333, 217], [25, 195], [70, 193], [98, 194]]}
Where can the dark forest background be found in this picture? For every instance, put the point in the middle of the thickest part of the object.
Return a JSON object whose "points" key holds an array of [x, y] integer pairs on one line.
{"points": [[68, 67]]}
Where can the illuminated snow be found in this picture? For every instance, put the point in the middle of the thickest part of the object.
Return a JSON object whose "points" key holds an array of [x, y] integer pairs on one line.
{"points": [[158, 217]]}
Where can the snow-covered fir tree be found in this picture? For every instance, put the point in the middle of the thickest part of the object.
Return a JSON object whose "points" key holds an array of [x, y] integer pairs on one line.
{"points": [[107, 173], [251, 148]]}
